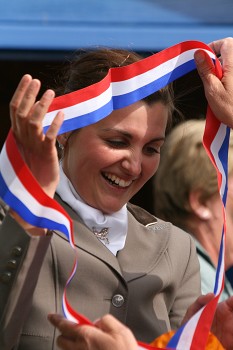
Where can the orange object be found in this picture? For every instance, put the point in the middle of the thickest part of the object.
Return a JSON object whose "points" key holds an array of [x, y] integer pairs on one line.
{"points": [[212, 342]]}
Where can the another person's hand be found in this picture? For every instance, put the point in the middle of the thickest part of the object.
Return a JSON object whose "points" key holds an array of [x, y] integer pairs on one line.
{"points": [[222, 326], [201, 301], [218, 93], [109, 333]]}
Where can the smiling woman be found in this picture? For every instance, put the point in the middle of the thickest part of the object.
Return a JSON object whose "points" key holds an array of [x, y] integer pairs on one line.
{"points": [[102, 166], [144, 271]]}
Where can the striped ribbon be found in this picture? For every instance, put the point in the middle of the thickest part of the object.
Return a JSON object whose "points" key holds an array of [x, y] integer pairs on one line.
{"points": [[121, 87]]}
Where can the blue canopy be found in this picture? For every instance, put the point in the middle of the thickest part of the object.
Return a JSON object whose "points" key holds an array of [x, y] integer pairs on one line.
{"points": [[143, 25]]}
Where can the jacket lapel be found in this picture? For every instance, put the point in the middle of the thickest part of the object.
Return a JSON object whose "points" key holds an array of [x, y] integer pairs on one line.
{"points": [[85, 240], [144, 247]]}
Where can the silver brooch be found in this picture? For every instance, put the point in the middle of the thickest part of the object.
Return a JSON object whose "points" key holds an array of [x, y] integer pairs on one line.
{"points": [[102, 234]]}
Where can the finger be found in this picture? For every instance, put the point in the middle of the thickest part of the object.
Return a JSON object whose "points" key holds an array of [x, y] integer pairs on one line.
{"points": [[54, 128], [223, 47], [108, 323], [28, 98], [197, 305], [67, 328], [54, 319], [205, 66], [229, 302], [214, 89], [111, 331], [37, 113], [40, 108], [204, 299], [111, 325], [17, 97], [22, 112]]}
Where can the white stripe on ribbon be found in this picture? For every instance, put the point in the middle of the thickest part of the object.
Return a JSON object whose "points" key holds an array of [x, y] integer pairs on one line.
{"points": [[124, 87], [21, 193]]}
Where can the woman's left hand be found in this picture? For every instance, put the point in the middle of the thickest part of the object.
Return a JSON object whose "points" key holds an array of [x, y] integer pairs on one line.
{"points": [[219, 93]]}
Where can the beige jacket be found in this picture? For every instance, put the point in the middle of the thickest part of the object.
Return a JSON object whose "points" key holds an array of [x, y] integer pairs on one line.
{"points": [[148, 286]]}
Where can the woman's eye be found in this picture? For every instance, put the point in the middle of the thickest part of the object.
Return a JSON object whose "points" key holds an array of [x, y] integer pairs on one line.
{"points": [[152, 150], [116, 143]]}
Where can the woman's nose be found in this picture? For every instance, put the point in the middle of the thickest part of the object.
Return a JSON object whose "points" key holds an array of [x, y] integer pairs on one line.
{"points": [[133, 164]]}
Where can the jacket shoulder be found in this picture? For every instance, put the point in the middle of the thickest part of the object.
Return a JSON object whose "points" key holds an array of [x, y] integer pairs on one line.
{"points": [[141, 215]]}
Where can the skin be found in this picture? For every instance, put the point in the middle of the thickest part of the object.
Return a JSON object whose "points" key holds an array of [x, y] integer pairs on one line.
{"points": [[229, 218], [108, 333], [218, 92], [207, 222], [39, 153], [125, 145]]}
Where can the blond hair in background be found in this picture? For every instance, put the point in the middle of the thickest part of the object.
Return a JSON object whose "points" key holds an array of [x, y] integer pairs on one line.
{"points": [[185, 167]]}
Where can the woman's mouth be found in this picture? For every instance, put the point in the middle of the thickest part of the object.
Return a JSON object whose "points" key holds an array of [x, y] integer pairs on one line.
{"points": [[116, 181]]}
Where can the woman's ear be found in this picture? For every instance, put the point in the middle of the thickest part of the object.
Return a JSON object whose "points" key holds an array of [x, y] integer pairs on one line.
{"points": [[199, 208]]}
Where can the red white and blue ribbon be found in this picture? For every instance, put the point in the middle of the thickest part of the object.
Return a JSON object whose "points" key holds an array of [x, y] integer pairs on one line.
{"points": [[120, 88]]}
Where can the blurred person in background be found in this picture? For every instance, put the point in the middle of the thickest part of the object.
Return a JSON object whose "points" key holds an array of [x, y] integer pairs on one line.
{"points": [[186, 194]]}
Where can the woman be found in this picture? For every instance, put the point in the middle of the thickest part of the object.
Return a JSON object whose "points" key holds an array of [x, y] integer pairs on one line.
{"points": [[109, 332], [153, 288], [196, 206], [103, 165]]}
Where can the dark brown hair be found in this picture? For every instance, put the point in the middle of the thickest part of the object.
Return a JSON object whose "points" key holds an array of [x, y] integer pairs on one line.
{"points": [[90, 67]]}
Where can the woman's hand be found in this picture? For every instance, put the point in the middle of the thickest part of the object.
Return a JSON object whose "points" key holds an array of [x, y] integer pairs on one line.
{"points": [[109, 333], [37, 149], [219, 93]]}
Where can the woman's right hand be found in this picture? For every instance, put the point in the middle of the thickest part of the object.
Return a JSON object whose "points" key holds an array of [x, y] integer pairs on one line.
{"points": [[37, 149]]}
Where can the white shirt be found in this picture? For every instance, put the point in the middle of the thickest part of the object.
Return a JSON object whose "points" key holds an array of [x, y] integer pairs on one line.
{"points": [[94, 219]]}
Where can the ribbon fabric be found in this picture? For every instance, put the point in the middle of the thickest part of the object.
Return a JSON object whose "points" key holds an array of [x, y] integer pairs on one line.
{"points": [[121, 87]]}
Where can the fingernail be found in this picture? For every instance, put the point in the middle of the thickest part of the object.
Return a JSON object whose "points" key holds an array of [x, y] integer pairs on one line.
{"points": [[199, 56], [49, 93]]}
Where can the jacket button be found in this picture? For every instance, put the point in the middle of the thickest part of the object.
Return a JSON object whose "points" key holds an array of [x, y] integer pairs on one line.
{"points": [[118, 300], [11, 264], [17, 251], [5, 277]]}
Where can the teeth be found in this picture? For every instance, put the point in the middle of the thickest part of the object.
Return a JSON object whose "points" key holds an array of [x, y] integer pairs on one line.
{"points": [[117, 180]]}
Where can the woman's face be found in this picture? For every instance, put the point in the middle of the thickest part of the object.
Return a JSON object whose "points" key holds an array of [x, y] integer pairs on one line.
{"points": [[109, 161]]}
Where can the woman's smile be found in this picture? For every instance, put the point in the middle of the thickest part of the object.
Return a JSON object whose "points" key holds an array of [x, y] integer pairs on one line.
{"points": [[116, 181]]}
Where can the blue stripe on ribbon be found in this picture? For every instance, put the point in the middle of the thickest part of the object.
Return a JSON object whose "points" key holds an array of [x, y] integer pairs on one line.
{"points": [[125, 100], [146, 90], [85, 119], [223, 156], [175, 339], [220, 257], [20, 208]]}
